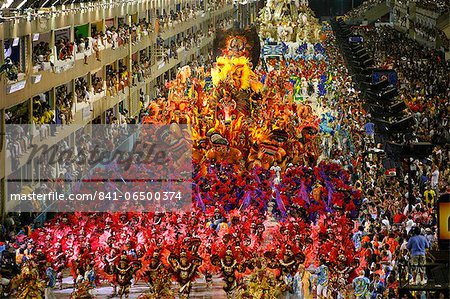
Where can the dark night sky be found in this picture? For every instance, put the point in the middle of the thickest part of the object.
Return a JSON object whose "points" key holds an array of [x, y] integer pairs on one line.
{"points": [[332, 7]]}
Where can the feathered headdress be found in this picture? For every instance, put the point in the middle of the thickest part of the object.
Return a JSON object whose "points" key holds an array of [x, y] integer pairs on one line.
{"points": [[247, 40]]}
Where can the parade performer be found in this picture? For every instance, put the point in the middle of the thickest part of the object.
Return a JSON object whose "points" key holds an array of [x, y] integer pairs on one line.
{"points": [[302, 284], [28, 283], [268, 149], [185, 270], [287, 265], [110, 261], [123, 274], [82, 288], [158, 278], [361, 286], [228, 267], [322, 280], [262, 284], [221, 151]]}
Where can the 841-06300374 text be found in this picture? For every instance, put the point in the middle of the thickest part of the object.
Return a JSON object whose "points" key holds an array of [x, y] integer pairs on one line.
{"points": [[156, 196], [100, 195]]}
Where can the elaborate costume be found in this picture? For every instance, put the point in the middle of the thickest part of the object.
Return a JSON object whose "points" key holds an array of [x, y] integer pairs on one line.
{"points": [[158, 279], [28, 284], [228, 267], [288, 21], [302, 284], [287, 265], [222, 151], [123, 274], [258, 188], [184, 269]]}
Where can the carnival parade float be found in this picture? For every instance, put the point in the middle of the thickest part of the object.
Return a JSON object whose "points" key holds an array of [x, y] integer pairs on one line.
{"points": [[269, 207]]}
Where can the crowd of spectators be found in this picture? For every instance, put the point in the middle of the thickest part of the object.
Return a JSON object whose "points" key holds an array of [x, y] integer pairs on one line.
{"points": [[391, 220], [81, 90], [145, 65], [440, 6], [188, 12], [399, 18], [82, 44], [218, 4], [445, 40], [17, 143], [11, 69], [97, 84], [117, 37], [64, 104], [225, 23], [111, 80], [42, 111], [168, 51], [124, 76], [358, 11], [188, 41], [17, 114], [168, 20], [426, 32], [424, 78], [64, 49], [432, 34], [137, 73], [41, 53], [117, 80]]}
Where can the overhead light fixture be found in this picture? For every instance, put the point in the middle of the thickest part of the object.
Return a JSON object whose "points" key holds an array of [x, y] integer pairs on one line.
{"points": [[43, 4], [21, 4]]}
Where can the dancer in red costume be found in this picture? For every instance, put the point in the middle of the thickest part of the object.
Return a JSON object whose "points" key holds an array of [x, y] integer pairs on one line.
{"points": [[123, 273], [185, 270], [229, 267], [157, 277]]}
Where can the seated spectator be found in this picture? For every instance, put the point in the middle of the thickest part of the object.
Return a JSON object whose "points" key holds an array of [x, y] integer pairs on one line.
{"points": [[361, 9], [81, 91], [440, 6], [41, 53], [64, 104], [43, 115], [64, 49], [11, 69], [97, 84]]}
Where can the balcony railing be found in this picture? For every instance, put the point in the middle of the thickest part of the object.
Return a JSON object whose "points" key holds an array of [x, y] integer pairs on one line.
{"points": [[101, 104], [55, 76]]}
